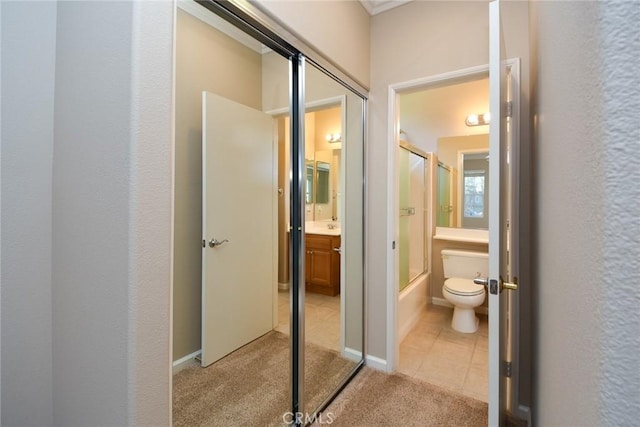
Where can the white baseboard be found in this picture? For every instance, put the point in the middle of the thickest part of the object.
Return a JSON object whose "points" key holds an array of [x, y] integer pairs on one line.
{"points": [[524, 412], [444, 303], [182, 362], [376, 363], [283, 286], [352, 354]]}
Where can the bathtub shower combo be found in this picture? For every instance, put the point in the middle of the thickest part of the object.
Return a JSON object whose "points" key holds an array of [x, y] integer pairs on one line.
{"points": [[412, 243]]}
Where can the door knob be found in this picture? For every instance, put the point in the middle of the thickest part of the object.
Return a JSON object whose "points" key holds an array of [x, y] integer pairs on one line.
{"points": [[481, 281], [491, 284], [511, 286], [214, 243]]}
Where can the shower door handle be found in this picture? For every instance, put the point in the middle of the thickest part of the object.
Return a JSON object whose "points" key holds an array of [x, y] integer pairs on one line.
{"points": [[407, 211]]}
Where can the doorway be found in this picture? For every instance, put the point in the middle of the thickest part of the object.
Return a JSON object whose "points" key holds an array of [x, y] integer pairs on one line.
{"points": [[504, 147], [434, 117]]}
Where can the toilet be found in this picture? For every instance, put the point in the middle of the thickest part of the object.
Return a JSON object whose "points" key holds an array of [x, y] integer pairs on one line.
{"points": [[460, 268]]}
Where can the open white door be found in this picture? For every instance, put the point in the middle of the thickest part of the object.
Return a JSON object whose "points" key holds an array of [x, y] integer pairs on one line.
{"points": [[238, 225], [502, 218]]}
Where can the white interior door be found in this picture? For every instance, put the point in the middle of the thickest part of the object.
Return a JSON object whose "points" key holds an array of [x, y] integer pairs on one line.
{"points": [[502, 217], [239, 252]]}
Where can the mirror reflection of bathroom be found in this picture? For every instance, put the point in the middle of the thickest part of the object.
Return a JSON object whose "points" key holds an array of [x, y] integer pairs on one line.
{"points": [[443, 240], [333, 310], [334, 141]]}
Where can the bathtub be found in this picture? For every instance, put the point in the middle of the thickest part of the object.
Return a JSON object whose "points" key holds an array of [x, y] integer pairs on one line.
{"points": [[412, 302]]}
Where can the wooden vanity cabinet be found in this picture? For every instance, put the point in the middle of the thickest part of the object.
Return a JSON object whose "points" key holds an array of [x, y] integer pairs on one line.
{"points": [[322, 264]]}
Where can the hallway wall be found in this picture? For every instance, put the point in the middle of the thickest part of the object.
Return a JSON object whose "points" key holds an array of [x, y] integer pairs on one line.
{"points": [[86, 212], [28, 73], [587, 251], [111, 213]]}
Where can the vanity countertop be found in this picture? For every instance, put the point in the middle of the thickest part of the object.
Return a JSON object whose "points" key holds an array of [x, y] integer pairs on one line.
{"points": [[322, 227]]}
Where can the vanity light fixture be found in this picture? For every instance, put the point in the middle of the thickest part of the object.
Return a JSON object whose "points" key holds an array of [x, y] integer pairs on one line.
{"points": [[333, 137], [478, 119]]}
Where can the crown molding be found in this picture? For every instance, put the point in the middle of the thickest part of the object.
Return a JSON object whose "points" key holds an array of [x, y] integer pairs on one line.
{"points": [[374, 7]]}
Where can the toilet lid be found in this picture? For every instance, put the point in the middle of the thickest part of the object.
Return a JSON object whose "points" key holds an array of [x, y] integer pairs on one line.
{"points": [[459, 286]]}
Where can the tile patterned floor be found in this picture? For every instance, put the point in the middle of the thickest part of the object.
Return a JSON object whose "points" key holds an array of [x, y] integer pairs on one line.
{"points": [[434, 352], [322, 318]]}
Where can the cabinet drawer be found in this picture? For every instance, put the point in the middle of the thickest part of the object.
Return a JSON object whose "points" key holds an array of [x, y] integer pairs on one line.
{"points": [[316, 241]]}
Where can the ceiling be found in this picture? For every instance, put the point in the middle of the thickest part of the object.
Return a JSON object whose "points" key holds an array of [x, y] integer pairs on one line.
{"points": [[378, 6]]}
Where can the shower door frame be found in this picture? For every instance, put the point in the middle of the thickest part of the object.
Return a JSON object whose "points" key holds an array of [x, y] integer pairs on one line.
{"points": [[253, 21], [428, 200]]}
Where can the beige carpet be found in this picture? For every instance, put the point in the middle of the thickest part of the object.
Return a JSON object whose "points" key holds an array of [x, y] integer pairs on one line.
{"points": [[377, 399], [250, 387]]}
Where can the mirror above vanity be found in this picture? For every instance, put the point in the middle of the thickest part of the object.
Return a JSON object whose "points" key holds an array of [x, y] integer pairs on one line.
{"points": [[463, 182], [323, 147]]}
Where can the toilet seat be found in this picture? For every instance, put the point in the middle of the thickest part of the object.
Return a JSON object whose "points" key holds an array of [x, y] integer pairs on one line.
{"points": [[463, 287]]}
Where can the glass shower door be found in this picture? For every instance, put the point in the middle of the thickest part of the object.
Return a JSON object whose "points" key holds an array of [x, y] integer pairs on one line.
{"points": [[412, 216]]}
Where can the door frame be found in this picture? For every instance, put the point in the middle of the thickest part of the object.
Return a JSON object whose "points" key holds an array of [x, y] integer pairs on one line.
{"points": [[310, 107], [392, 338]]}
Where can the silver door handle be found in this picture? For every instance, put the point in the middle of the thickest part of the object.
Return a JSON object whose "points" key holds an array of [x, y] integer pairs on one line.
{"points": [[339, 250], [214, 243], [495, 284], [481, 281]]}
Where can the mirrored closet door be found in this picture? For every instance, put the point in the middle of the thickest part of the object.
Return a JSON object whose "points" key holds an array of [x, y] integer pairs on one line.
{"points": [[268, 262], [333, 308]]}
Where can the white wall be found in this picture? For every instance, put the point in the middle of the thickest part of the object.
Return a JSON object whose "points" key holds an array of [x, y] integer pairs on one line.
{"points": [[91, 213], [587, 248], [427, 115], [86, 213], [28, 70], [112, 213]]}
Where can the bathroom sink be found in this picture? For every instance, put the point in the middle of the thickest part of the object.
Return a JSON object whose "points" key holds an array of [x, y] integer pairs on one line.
{"points": [[329, 228]]}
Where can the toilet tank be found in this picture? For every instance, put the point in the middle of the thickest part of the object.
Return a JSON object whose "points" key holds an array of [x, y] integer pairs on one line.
{"points": [[465, 264]]}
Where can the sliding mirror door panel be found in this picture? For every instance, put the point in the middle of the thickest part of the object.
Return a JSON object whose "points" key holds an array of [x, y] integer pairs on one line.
{"points": [[231, 302], [334, 220], [268, 286]]}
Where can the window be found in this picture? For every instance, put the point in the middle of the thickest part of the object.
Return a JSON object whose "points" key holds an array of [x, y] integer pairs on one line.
{"points": [[474, 193]]}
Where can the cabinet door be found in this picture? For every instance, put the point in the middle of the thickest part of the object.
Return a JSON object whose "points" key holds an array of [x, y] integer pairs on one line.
{"points": [[320, 268], [335, 264]]}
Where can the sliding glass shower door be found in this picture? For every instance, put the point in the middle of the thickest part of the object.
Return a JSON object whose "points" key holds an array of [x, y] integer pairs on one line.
{"points": [[412, 198]]}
